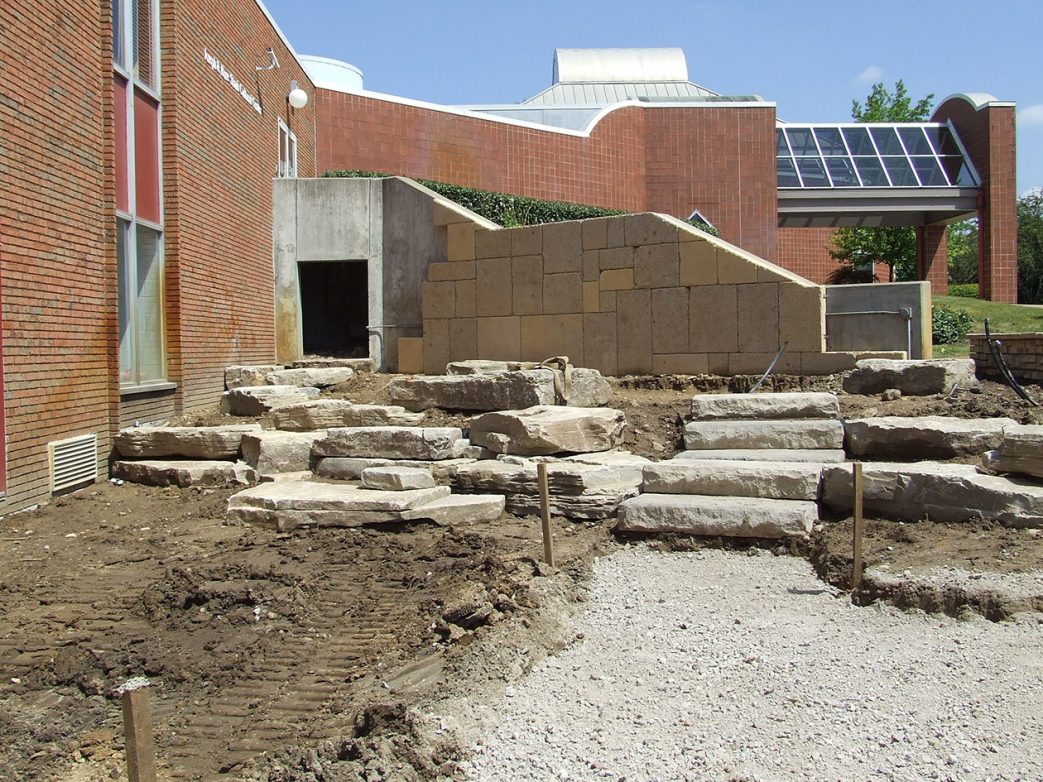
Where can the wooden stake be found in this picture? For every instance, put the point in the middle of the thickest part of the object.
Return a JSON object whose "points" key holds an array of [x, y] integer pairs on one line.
{"points": [[137, 731], [548, 542], [856, 560]]}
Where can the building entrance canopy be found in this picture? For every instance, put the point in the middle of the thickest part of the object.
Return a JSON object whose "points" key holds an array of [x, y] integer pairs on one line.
{"points": [[872, 174]]}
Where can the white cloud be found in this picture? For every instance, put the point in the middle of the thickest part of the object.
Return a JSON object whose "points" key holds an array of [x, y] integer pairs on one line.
{"points": [[870, 75], [1031, 116]]}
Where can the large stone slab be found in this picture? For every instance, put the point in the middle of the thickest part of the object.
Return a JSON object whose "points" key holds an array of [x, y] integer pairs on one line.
{"points": [[392, 478], [238, 376], [203, 473], [392, 442], [589, 505], [334, 413], [458, 509], [817, 434], [479, 366], [323, 362], [717, 407], [257, 400], [272, 452], [1021, 451], [938, 492], [499, 391], [563, 477], [350, 468], [912, 377], [544, 429], [317, 377], [926, 437], [770, 480], [763, 454], [735, 517], [189, 442]]}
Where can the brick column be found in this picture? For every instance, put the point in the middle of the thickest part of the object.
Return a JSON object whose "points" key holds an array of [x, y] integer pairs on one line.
{"points": [[932, 257]]}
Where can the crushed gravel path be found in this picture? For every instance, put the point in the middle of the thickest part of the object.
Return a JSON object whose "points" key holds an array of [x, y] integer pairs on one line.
{"points": [[717, 665]]}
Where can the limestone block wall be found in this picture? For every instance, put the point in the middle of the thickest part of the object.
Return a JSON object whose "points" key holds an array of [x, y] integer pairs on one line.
{"points": [[634, 294], [1022, 352]]}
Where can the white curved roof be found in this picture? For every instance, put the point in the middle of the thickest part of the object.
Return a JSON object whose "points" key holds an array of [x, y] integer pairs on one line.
{"points": [[619, 65], [332, 74]]}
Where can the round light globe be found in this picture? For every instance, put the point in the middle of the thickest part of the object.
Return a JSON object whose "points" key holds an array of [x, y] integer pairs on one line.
{"points": [[298, 98]]}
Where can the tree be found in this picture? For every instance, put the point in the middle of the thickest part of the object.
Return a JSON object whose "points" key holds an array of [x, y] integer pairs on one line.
{"points": [[862, 247], [1030, 247], [962, 238]]}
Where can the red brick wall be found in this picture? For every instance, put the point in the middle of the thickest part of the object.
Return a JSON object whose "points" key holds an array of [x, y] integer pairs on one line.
{"points": [[56, 232], [674, 160], [219, 157], [988, 135], [805, 251]]}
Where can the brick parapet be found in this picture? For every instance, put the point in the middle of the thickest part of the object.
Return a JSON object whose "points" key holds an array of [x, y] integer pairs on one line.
{"points": [[1023, 354]]}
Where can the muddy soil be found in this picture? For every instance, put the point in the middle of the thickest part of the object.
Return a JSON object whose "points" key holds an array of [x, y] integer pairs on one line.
{"points": [[309, 655]]}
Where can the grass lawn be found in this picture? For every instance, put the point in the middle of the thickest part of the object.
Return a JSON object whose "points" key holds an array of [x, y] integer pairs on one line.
{"points": [[1003, 318]]}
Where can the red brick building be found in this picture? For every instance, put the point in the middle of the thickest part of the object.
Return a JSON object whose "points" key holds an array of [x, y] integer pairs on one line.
{"points": [[140, 140]]}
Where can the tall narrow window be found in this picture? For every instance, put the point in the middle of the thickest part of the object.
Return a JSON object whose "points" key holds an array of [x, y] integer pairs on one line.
{"points": [[139, 191], [287, 151]]}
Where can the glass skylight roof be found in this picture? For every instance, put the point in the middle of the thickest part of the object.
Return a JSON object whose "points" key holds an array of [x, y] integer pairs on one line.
{"points": [[877, 155]]}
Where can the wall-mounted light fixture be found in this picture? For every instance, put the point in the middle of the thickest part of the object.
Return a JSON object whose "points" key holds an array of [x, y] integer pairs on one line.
{"points": [[297, 98], [270, 66]]}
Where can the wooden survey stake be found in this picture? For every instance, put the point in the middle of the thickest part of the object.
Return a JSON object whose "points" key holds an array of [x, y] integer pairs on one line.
{"points": [[548, 543], [857, 526], [137, 731]]}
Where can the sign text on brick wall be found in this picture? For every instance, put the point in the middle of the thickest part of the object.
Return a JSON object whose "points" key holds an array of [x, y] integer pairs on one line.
{"points": [[237, 85]]}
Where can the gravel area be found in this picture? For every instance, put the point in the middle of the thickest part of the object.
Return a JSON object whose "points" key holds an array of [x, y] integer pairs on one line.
{"points": [[719, 665]]}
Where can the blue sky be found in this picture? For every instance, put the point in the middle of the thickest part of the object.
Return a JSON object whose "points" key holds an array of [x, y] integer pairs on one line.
{"points": [[809, 56]]}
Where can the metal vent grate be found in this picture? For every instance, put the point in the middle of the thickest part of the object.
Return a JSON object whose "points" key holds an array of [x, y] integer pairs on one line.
{"points": [[73, 461]]}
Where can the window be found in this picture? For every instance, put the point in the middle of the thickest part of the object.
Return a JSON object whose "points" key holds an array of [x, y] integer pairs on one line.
{"points": [[287, 152], [139, 191]]}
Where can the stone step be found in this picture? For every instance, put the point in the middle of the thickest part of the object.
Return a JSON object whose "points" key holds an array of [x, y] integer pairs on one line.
{"points": [[735, 517], [257, 400], [805, 434], [397, 478], [563, 476], [255, 375], [273, 452], [326, 362], [911, 377], [997, 461], [188, 442], [769, 480], [185, 473], [762, 454], [458, 509], [431, 443], [488, 386], [350, 468], [926, 437], [334, 413], [546, 430], [319, 377], [1021, 451], [936, 491], [785, 406], [601, 502]]}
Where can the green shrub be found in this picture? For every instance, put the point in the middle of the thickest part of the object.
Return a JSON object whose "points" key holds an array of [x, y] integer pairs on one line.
{"points": [[968, 290], [949, 326], [502, 208]]}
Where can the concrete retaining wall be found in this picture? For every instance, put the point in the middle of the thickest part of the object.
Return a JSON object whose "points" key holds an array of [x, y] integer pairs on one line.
{"points": [[880, 316]]}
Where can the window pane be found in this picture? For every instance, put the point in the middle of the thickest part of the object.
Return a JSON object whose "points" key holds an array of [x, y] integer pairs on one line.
{"points": [[146, 157], [830, 141], [887, 141], [117, 33], [942, 141], [126, 309], [858, 140], [842, 172], [901, 172], [929, 171], [958, 172], [915, 141], [787, 173], [780, 143], [871, 171], [148, 316], [292, 168], [143, 44], [801, 141], [119, 103], [812, 172]]}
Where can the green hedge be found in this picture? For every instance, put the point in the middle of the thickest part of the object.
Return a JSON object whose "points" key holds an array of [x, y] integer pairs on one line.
{"points": [[949, 326], [503, 209], [968, 290]]}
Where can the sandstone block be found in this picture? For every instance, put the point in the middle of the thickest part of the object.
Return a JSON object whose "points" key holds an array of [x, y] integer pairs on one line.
{"points": [[493, 287], [927, 437], [764, 454], [458, 509], [273, 452], [563, 247], [616, 280], [912, 378], [478, 366], [670, 321], [203, 473], [350, 468], [648, 228], [256, 400], [562, 293], [319, 378], [680, 364], [770, 480], [634, 332], [595, 233], [527, 240], [499, 337], [391, 442], [492, 244], [504, 391], [737, 517], [411, 355], [800, 434], [656, 266], [460, 241], [527, 285], [189, 442], [248, 375], [397, 478], [698, 263], [547, 430], [713, 321], [438, 299], [715, 407], [758, 330], [327, 362], [330, 413]]}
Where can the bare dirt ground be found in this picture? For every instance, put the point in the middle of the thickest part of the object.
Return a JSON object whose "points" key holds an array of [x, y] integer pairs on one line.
{"points": [[316, 647]]}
